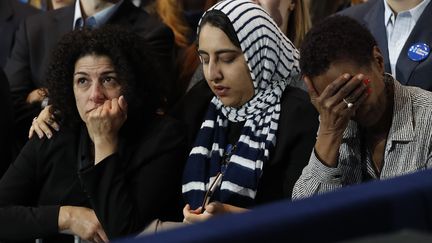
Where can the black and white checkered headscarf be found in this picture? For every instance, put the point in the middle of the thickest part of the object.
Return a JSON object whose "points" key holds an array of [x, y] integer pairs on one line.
{"points": [[273, 63]]}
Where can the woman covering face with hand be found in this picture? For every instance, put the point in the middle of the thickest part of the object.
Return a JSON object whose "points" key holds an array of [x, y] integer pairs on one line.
{"points": [[257, 131], [115, 164], [371, 127]]}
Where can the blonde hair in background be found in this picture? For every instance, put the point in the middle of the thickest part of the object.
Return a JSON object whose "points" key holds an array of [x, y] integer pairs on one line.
{"points": [[299, 22]]}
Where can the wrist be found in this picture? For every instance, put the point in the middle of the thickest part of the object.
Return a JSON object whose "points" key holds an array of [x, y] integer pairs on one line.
{"points": [[104, 148], [64, 218], [327, 148]]}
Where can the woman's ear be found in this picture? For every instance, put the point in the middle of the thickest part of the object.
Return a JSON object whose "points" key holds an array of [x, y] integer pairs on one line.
{"points": [[378, 58]]}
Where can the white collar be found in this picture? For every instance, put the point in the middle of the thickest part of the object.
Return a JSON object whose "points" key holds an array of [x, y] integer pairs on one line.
{"points": [[100, 17], [415, 12]]}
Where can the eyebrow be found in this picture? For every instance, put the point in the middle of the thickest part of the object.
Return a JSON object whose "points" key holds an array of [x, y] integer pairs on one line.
{"points": [[219, 51], [103, 73]]}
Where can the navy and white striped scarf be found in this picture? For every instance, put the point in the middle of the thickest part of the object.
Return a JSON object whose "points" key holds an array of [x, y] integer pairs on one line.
{"points": [[273, 63]]}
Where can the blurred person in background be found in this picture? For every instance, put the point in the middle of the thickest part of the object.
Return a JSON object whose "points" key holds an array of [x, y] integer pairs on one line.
{"points": [[12, 13], [292, 17], [320, 9], [402, 30]]}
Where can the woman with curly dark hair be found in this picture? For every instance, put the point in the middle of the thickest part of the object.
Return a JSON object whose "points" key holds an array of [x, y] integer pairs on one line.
{"points": [[104, 95]]}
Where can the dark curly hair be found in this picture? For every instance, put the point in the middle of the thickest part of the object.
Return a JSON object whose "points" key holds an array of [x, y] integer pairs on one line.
{"points": [[130, 56], [336, 38]]}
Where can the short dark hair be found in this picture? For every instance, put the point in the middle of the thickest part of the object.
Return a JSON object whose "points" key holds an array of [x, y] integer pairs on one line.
{"points": [[336, 38], [130, 56], [218, 19]]}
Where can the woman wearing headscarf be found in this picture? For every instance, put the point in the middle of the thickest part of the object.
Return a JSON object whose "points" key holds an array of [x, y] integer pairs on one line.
{"points": [[257, 132]]}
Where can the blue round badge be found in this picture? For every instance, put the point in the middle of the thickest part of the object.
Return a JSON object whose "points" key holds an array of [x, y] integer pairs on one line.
{"points": [[418, 52]]}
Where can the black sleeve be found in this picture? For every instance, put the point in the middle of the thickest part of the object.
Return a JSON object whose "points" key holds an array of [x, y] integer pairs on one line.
{"points": [[7, 148], [20, 218], [127, 198], [295, 139], [17, 68], [18, 72], [303, 124]]}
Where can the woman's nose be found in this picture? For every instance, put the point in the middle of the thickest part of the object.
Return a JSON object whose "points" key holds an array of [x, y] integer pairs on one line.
{"points": [[97, 93], [214, 72]]}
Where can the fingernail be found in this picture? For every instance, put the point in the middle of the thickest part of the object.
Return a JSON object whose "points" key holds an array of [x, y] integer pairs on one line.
{"points": [[40, 136], [366, 81], [49, 135], [360, 76], [346, 76], [56, 128]]}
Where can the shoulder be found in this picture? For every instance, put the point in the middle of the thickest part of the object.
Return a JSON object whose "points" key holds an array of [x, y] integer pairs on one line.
{"points": [[140, 21], [151, 27], [295, 97], [63, 143], [196, 100], [165, 123], [42, 20], [20, 10], [297, 110], [421, 99], [359, 11], [163, 132], [413, 104]]}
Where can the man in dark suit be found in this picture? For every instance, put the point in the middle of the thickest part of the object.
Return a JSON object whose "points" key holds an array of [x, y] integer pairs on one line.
{"points": [[12, 13], [408, 70], [38, 35], [6, 126]]}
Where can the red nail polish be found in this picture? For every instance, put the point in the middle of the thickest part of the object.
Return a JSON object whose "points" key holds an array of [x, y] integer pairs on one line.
{"points": [[369, 90], [366, 81]]}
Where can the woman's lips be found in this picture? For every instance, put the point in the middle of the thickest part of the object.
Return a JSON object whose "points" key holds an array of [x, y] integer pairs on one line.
{"points": [[221, 91]]}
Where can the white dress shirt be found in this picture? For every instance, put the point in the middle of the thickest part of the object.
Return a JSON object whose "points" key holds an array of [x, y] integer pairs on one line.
{"points": [[399, 26]]}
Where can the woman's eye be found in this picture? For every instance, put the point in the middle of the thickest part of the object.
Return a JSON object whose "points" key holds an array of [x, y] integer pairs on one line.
{"points": [[228, 59], [81, 81], [204, 60], [110, 81]]}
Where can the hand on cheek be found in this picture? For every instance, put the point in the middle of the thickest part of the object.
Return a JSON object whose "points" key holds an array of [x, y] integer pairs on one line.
{"points": [[103, 125]]}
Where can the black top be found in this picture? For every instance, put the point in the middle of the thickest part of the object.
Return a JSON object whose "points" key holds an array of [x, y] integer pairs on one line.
{"points": [[295, 138], [141, 182]]}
